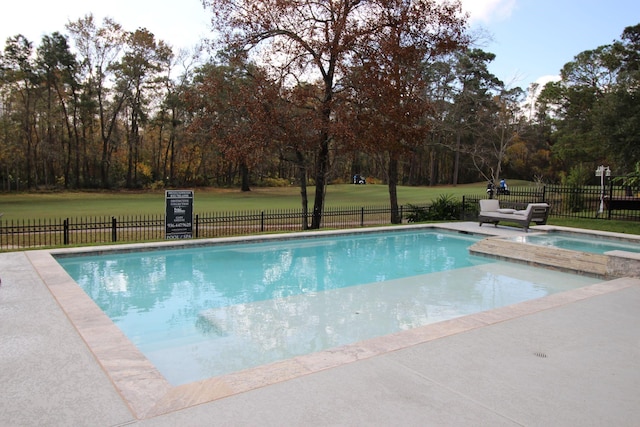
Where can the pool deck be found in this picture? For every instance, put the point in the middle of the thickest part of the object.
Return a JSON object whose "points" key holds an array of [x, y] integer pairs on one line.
{"points": [[569, 359]]}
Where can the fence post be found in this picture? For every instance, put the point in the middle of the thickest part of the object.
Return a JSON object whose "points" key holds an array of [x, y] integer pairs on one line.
{"points": [[197, 222], [544, 194], [114, 229], [362, 217], [464, 209], [262, 221], [610, 199], [65, 231]]}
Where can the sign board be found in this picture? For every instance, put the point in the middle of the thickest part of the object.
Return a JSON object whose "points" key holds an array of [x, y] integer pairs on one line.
{"points": [[178, 217]]}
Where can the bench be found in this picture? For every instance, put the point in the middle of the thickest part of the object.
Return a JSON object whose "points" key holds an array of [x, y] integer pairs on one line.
{"points": [[491, 212], [622, 203]]}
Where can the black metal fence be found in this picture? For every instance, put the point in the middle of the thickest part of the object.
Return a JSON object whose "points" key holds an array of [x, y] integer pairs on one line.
{"points": [[572, 202], [25, 234], [591, 202]]}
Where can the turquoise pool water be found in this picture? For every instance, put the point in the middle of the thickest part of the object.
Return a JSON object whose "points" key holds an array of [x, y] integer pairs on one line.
{"points": [[582, 243], [200, 312]]}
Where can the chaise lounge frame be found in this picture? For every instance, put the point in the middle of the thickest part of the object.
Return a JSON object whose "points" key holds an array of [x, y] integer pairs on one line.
{"points": [[490, 212]]}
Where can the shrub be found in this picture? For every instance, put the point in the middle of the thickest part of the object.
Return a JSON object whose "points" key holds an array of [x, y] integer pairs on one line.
{"points": [[156, 185], [578, 176], [631, 180], [274, 182], [444, 208], [417, 213]]}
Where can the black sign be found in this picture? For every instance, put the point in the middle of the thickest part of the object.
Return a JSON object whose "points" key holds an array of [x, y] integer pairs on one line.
{"points": [[178, 218]]}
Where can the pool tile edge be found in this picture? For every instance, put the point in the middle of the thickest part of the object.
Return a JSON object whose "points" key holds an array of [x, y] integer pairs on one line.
{"points": [[148, 394], [135, 378]]}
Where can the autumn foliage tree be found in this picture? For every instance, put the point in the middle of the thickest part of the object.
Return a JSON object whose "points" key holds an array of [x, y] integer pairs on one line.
{"points": [[390, 80], [233, 106], [305, 40], [323, 90], [299, 39]]}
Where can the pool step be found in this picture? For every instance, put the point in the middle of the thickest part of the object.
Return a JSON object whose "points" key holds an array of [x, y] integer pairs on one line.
{"points": [[610, 265], [545, 256]]}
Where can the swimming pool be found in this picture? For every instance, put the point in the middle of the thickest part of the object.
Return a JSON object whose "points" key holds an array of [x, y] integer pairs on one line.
{"points": [[200, 312], [593, 243]]}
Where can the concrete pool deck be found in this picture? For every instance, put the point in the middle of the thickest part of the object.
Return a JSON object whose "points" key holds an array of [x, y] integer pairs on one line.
{"points": [[567, 359]]}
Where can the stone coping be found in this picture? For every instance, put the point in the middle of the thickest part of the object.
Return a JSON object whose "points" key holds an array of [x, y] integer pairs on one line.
{"points": [[148, 394], [612, 264]]}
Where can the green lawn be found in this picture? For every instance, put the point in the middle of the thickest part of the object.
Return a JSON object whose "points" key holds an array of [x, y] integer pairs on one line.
{"points": [[56, 205], [60, 205]]}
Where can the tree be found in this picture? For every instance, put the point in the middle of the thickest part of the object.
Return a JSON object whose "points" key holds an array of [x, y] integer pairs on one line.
{"points": [[619, 117], [473, 109], [437, 152], [20, 75], [99, 50], [300, 38], [576, 103], [172, 115], [234, 105], [593, 112], [502, 128], [59, 69], [304, 39], [137, 73], [390, 82], [298, 134]]}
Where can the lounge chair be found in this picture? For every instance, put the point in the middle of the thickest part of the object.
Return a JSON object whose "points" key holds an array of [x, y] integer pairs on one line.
{"points": [[491, 212]]}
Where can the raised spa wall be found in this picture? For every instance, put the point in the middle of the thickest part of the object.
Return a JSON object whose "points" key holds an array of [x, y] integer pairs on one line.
{"points": [[611, 265]]}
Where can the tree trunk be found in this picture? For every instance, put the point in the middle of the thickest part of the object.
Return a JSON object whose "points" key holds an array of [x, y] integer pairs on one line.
{"points": [[321, 169], [433, 175], [456, 162], [130, 145], [244, 177], [396, 218], [321, 176], [302, 176], [104, 164]]}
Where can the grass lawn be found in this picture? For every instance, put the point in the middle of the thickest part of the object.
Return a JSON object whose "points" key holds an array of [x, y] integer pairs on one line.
{"points": [[55, 205], [60, 205]]}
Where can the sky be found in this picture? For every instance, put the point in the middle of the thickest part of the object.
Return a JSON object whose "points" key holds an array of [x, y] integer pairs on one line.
{"points": [[532, 39]]}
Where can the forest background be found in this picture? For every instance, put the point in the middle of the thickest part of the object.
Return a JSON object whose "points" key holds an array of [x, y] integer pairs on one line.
{"points": [[306, 93]]}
